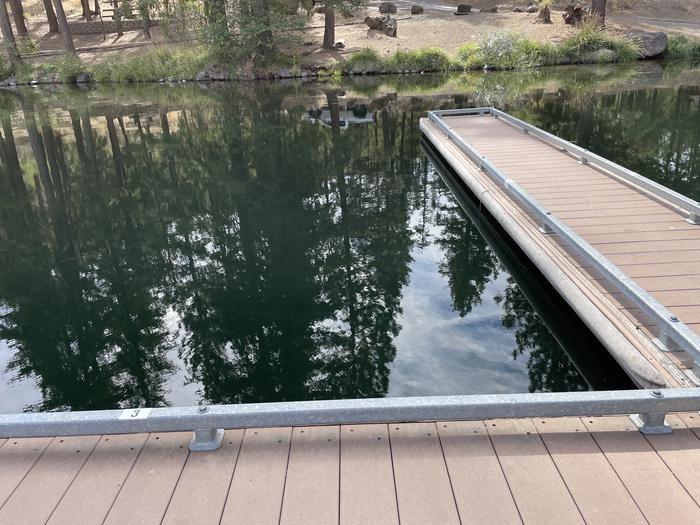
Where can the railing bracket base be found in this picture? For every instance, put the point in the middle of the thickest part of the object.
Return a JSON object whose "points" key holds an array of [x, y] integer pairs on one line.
{"points": [[206, 439], [651, 423]]}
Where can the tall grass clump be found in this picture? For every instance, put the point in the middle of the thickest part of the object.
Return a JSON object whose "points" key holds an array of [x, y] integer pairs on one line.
{"points": [[163, 64], [592, 37], [681, 47], [5, 68], [367, 60], [429, 59]]}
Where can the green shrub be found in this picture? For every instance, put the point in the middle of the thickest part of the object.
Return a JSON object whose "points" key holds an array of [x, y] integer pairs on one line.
{"points": [[508, 50], [26, 45], [68, 67]]}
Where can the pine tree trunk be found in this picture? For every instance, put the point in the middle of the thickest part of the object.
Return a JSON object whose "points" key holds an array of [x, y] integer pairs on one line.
{"points": [[146, 18], [329, 28], [87, 14], [63, 24], [51, 16], [118, 18], [8, 36], [18, 16], [598, 9]]}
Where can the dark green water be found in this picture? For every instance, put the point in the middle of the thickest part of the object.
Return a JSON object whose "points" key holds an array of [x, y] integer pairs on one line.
{"points": [[175, 244]]}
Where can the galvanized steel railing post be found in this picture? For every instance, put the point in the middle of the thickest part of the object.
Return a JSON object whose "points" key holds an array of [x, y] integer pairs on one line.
{"points": [[652, 422], [206, 439]]}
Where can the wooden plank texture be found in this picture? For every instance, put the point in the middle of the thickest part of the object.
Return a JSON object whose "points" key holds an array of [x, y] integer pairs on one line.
{"points": [[658, 493], [147, 490], [367, 492], [542, 498], [96, 486], [479, 486], [42, 488], [599, 494], [17, 457], [201, 492], [257, 487], [423, 486], [312, 489]]}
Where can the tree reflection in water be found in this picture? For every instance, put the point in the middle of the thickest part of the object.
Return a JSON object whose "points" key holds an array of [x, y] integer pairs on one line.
{"points": [[256, 242]]}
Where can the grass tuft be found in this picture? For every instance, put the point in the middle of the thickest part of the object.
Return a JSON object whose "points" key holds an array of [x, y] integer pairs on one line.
{"points": [[162, 64], [367, 60], [682, 48], [5, 68]]}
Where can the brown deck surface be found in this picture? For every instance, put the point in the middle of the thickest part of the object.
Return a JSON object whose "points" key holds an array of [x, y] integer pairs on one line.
{"points": [[566, 470], [644, 236]]}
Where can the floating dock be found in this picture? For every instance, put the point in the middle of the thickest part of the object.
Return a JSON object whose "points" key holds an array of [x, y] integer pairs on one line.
{"points": [[622, 250]]}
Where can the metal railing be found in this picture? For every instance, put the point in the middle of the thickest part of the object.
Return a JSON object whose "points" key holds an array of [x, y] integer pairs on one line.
{"points": [[674, 334], [209, 422]]}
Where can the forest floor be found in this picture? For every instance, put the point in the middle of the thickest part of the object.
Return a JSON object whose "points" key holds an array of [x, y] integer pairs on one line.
{"points": [[437, 27]]}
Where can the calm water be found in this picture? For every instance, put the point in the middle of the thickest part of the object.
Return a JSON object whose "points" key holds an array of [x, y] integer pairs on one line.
{"points": [[174, 244]]}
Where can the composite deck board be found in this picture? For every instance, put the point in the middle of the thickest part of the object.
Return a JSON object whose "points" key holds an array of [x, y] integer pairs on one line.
{"points": [[423, 486], [42, 488], [601, 470], [152, 479], [257, 486], [657, 491], [484, 497], [96, 486], [17, 457], [679, 451], [201, 491], [600, 495], [312, 488], [542, 498], [364, 498]]}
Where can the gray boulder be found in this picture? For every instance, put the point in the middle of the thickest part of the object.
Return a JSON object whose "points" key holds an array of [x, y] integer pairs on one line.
{"points": [[387, 7], [653, 43], [493, 9], [416, 9], [374, 22], [463, 9], [386, 24], [83, 78], [390, 26], [531, 9], [518, 9]]}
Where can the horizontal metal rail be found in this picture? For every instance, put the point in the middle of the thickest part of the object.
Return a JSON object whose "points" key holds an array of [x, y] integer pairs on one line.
{"points": [[353, 411], [674, 334]]}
